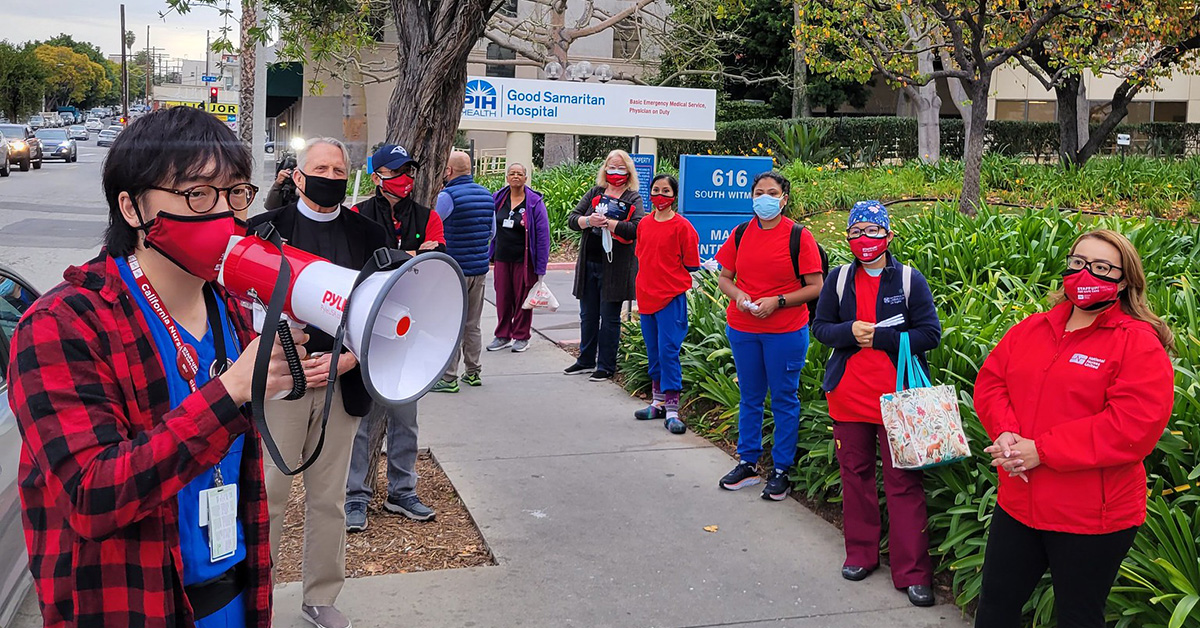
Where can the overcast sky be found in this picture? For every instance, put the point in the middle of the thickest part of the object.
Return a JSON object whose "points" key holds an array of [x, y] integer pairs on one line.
{"points": [[99, 22]]}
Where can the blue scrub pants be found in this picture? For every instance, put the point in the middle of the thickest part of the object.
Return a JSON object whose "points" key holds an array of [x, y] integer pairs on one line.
{"points": [[232, 616], [768, 361], [664, 332]]}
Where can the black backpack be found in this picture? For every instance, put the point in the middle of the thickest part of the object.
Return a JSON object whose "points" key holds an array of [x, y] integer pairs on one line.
{"points": [[794, 250]]}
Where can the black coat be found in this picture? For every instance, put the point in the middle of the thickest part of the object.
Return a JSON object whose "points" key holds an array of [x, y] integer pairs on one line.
{"points": [[365, 238], [413, 218], [619, 274]]}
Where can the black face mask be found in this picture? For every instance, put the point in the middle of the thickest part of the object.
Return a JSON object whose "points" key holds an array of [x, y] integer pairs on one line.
{"points": [[323, 191]]}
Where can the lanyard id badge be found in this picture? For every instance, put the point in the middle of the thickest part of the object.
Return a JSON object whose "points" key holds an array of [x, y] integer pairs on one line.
{"points": [[218, 512]]}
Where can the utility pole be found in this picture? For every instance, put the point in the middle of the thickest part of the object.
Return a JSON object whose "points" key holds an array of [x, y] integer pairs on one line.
{"points": [[207, 48], [124, 70], [148, 70]]}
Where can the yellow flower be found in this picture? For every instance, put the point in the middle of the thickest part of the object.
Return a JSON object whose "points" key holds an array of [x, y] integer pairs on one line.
{"points": [[1168, 185], [889, 171], [819, 169], [760, 145], [755, 150], [710, 151], [769, 152]]}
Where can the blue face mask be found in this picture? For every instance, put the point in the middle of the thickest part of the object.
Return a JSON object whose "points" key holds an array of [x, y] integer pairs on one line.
{"points": [[767, 207]]}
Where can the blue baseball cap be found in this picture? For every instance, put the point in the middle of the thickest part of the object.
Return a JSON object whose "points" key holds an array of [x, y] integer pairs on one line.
{"points": [[873, 212], [392, 156]]}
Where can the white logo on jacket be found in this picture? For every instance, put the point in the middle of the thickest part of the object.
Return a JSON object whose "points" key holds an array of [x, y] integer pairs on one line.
{"points": [[1087, 360]]}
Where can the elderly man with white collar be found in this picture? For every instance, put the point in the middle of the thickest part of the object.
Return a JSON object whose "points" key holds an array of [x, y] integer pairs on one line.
{"points": [[318, 223]]}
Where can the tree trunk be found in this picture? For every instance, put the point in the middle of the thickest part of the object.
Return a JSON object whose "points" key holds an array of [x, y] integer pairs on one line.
{"points": [[354, 116], [1083, 115], [434, 40], [378, 421], [1066, 92], [800, 105], [929, 106], [958, 93], [1120, 108], [559, 148], [971, 198], [245, 117]]}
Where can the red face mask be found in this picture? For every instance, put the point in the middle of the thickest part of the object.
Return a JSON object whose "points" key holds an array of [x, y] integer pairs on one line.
{"points": [[661, 202], [868, 249], [399, 186], [194, 243], [616, 180], [1089, 292]]}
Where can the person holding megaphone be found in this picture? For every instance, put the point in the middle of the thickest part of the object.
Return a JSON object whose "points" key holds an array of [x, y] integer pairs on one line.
{"points": [[318, 224], [142, 481]]}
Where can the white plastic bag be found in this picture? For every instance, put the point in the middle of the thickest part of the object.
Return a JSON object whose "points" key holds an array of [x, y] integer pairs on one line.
{"points": [[540, 298]]}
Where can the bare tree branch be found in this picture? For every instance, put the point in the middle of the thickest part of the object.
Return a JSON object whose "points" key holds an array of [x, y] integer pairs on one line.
{"points": [[608, 23]]}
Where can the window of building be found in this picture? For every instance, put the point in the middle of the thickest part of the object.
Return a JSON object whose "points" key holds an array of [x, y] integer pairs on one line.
{"points": [[1041, 111], [1139, 112], [1010, 110], [627, 42], [500, 53], [1170, 112], [509, 8]]}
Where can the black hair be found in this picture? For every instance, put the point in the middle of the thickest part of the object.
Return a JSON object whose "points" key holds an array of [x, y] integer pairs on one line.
{"points": [[670, 181], [161, 149], [775, 176]]}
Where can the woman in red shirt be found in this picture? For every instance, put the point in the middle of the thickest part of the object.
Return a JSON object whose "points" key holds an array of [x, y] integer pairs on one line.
{"points": [[768, 329], [668, 251], [861, 369], [1075, 399]]}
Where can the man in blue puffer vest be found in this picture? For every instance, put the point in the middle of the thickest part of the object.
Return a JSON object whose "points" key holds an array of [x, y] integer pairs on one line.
{"points": [[468, 214]]}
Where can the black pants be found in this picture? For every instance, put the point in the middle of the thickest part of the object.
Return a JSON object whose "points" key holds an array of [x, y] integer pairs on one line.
{"points": [[599, 323], [1082, 568]]}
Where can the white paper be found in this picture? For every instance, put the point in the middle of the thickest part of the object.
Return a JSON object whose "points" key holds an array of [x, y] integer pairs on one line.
{"points": [[222, 520]]}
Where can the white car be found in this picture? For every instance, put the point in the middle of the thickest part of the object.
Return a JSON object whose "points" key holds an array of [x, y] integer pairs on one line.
{"points": [[94, 125]]}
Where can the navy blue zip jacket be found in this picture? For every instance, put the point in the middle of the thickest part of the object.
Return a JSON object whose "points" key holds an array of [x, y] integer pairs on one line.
{"points": [[833, 322], [469, 226]]}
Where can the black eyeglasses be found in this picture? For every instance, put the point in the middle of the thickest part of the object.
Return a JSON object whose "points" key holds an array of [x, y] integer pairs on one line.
{"points": [[1099, 269], [201, 199], [871, 231]]}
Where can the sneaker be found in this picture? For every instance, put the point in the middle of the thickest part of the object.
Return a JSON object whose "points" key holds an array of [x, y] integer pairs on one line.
{"points": [[743, 475], [778, 486], [650, 412], [499, 344], [324, 616], [410, 507], [578, 369], [472, 379], [600, 376], [674, 425], [356, 517], [444, 386], [520, 346]]}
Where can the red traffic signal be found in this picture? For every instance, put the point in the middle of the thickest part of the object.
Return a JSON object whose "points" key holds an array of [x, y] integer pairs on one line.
{"points": [[212, 94]]}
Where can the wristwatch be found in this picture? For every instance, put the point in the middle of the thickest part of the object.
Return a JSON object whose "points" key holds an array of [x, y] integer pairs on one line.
{"points": [[782, 301]]}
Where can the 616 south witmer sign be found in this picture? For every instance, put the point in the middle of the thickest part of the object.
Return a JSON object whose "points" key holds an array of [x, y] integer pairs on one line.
{"points": [[504, 104]]}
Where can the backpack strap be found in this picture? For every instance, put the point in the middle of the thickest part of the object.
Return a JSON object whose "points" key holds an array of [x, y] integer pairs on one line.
{"points": [[906, 273], [738, 232], [843, 272], [794, 247]]}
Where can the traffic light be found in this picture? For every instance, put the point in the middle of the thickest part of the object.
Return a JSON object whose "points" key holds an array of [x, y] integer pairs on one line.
{"points": [[212, 94]]}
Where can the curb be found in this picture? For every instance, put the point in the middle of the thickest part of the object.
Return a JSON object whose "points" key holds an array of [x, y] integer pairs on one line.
{"points": [[560, 266]]}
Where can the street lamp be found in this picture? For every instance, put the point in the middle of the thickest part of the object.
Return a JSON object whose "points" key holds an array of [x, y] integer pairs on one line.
{"points": [[553, 70], [604, 73]]}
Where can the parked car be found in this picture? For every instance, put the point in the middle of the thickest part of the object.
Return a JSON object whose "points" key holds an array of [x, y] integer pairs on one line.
{"points": [[36, 122], [57, 144], [5, 166], [24, 147], [78, 132], [16, 296], [106, 137], [94, 125]]}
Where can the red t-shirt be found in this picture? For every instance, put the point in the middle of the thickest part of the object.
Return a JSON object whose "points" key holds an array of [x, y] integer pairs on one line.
{"points": [[870, 372], [762, 267], [664, 251]]}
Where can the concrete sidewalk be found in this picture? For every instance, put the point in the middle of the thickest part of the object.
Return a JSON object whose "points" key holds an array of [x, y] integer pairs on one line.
{"points": [[598, 520], [562, 326]]}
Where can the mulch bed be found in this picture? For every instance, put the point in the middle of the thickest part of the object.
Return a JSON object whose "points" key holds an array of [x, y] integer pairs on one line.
{"points": [[393, 543]]}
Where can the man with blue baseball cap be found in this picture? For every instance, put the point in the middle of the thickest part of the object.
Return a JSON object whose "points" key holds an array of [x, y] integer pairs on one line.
{"points": [[414, 228]]}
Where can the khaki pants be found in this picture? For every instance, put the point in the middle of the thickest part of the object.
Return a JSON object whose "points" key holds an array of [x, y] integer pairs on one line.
{"points": [[472, 343], [296, 427]]}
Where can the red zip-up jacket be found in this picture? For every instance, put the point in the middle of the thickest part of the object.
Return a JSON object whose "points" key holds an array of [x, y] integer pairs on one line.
{"points": [[1095, 401], [103, 457]]}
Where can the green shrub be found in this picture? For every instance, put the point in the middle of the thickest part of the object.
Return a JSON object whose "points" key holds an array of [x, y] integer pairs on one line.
{"points": [[986, 274]]}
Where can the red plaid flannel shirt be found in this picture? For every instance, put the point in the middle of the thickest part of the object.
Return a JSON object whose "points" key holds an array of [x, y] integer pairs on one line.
{"points": [[104, 456]]}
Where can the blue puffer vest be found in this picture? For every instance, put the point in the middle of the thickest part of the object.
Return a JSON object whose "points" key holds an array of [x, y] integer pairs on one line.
{"points": [[469, 227]]}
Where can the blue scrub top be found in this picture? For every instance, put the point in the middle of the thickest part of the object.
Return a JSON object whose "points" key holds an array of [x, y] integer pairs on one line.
{"points": [[193, 539]]}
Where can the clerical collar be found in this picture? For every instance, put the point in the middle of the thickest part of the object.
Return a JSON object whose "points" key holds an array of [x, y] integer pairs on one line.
{"points": [[315, 215]]}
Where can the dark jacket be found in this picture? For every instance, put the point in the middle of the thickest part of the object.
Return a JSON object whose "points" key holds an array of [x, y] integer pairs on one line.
{"points": [[833, 322], [365, 237], [413, 218], [620, 274], [537, 227], [103, 457], [469, 225]]}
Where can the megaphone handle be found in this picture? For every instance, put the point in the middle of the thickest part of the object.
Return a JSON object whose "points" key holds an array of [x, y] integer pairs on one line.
{"points": [[299, 382]]}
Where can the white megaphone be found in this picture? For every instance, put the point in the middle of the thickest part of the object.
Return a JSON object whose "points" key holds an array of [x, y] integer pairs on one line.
{"points": [[403, 324]]}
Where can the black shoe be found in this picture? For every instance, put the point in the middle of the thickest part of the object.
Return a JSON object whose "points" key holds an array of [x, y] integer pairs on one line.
{"points": [[600, 375], [743, 475], [921, 595], [578, 369], [650, 412], [778, 486], [855, 574]]}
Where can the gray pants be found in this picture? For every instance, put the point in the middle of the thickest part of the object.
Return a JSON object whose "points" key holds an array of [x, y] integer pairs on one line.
{"points": [[471, 346], [401, 454]]}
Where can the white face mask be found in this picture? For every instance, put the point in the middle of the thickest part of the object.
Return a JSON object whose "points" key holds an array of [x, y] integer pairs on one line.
{"points": [[606, 241]]}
